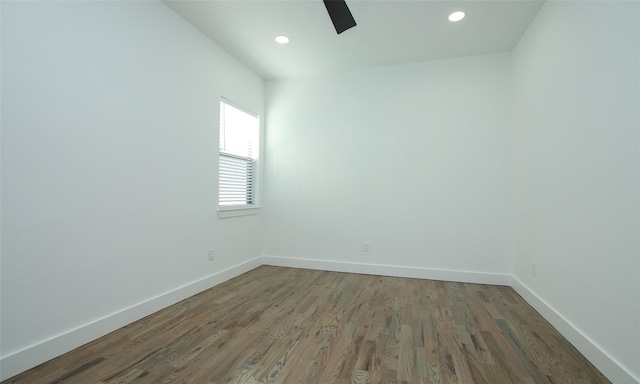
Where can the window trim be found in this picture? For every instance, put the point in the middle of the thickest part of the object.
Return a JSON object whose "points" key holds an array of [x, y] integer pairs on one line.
{"points": [[237, 210]]}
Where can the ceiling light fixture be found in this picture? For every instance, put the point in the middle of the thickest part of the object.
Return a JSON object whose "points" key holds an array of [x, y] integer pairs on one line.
{"points": [[456, 16], [282, 39]]}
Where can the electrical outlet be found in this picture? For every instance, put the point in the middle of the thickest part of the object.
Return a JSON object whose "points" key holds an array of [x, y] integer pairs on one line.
{"points": [[212, 255], [534, 270], [365, 247]]}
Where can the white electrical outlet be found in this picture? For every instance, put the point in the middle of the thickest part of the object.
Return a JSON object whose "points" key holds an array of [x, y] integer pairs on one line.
{"points": [[212, 255], [534, 270], [365, 247]]}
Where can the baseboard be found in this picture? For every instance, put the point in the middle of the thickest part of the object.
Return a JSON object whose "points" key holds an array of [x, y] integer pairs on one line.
{"points": [[605, 363], [612, 369], [391, 270], [30, 357]]}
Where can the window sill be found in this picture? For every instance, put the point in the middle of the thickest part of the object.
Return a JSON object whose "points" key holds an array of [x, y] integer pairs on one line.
{"points": [[224, 213]]}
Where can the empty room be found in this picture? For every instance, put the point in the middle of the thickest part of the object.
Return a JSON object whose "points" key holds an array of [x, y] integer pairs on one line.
{"points": [[320, 191]]}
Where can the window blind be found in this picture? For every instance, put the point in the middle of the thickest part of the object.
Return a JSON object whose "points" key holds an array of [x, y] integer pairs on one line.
{"points": [[238, 152]]}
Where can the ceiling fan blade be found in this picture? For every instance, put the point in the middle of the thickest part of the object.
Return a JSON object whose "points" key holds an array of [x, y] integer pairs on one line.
{"points": [[340, 15]]}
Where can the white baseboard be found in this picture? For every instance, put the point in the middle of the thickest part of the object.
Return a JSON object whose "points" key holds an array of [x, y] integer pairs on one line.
{"points": [[611, 368], [30, 357], [605, 363], [391, 270]]}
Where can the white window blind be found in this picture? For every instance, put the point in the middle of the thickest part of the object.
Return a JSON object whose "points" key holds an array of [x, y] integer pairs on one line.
{"points": [[238, 154]]}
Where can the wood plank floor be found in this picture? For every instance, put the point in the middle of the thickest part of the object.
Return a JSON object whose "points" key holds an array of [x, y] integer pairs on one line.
{"points": [[284, 325]]}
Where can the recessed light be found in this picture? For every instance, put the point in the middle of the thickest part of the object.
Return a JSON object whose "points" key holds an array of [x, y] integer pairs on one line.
{"points": [[282, 39], [456, 16]]}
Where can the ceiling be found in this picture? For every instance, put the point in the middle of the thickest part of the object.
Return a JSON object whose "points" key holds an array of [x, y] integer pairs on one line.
{"points": [[389, 32]]}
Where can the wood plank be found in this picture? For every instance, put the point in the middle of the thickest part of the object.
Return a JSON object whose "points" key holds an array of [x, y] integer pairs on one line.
{"points": [[285, 325]]}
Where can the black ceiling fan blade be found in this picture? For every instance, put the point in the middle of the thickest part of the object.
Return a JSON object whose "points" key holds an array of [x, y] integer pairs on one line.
{"points": [[340, 15]]}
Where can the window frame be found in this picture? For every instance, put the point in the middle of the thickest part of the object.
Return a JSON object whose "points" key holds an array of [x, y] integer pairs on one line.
{"points": [[252, 208]]}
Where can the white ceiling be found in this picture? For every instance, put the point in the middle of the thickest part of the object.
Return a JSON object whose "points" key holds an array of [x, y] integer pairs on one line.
{"points": [[388, 32]]}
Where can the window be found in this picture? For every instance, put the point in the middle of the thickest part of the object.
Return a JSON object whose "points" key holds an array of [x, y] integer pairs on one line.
{"points": [[239, 144]]}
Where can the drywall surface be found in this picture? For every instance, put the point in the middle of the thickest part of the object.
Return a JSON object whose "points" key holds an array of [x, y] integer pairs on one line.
{"points": [[109, 162], [411, 159], [576, 170]]}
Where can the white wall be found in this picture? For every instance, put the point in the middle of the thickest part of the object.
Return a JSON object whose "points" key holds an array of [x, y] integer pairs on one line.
{"points": [[109, 167], [576, 152], [411, 158], [109, 116]]}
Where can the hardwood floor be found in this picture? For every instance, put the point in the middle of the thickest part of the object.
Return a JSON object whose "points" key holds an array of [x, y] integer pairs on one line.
{"points": [[284, 325]]}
